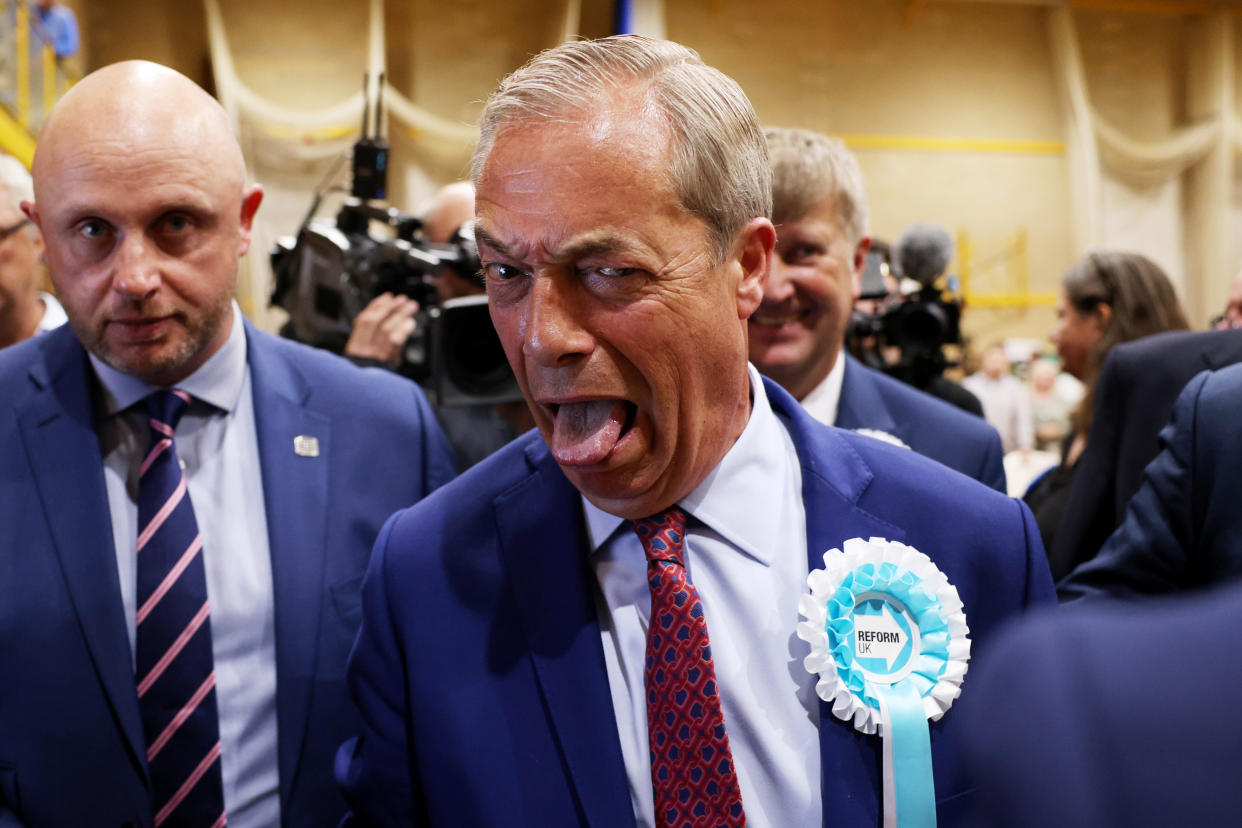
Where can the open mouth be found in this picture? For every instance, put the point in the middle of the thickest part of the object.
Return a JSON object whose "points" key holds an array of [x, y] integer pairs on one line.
{"points": [[586, 432], [776, 320]]}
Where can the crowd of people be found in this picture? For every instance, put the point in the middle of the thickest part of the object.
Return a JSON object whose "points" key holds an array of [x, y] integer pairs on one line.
{"points": [[724, 575]]}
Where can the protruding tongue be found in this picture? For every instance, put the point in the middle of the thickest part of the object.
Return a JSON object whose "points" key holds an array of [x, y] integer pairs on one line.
{"points": [[587, 431]]}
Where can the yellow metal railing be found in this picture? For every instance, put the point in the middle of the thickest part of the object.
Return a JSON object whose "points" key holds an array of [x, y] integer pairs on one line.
{"points": [[996, 273], [31, 80]]}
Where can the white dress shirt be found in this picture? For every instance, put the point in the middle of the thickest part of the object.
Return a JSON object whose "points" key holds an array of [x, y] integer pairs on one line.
{"points": [[745, 552], [53, 314], [218, 446], [823, 401]]}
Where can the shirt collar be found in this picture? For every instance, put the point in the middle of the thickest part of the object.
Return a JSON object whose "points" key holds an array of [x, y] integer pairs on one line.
{"points": [[739, 499], [824, 400], [218, 381]]}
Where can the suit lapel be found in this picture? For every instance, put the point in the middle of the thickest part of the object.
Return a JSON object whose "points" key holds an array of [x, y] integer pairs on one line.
{"points": [[862, 406], [295, 497], [58, 429], [834, 477], [544, 545]]}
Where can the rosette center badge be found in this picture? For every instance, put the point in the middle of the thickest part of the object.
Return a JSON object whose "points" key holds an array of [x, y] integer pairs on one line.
{"points": [[885, 638], [890, 645]]}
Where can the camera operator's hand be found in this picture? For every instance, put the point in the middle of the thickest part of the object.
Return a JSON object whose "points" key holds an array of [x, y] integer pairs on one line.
{"points": [[382, 328]]}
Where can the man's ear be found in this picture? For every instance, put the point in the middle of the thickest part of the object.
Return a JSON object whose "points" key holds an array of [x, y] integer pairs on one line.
{"points": [[251, 200], [860, 265], [754, 255], [1103, 314]]}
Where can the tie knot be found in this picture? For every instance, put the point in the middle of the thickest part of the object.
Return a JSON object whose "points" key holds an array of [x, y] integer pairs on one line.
{"points": [[661, 535], [166, 408]]}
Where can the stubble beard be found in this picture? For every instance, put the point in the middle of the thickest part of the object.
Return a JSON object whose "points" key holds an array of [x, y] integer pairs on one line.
{"points": [[165, 362]]}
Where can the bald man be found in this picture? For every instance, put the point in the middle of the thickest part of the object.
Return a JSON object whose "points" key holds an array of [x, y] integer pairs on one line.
{"points": [[188, 503]]}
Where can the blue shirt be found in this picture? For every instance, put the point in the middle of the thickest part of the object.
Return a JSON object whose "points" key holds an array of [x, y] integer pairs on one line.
{"points": [[218, 446], [60, 26]]}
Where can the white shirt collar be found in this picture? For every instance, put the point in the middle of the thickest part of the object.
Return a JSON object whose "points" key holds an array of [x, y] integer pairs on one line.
{"points": [[53, 313], [824, 399], [218, 381], [739, 498]]}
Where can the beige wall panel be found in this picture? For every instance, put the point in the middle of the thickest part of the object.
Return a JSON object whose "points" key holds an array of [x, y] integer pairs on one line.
{"points": [[172, 34], [448, 59], [959, 71], [303, 55]]}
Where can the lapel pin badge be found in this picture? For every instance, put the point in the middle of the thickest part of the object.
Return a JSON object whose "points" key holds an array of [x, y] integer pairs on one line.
{"points": [[305, 445]]}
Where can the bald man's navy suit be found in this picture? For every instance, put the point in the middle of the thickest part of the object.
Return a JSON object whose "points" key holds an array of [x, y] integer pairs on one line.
{"points": [[71, 742], [479, 668]]}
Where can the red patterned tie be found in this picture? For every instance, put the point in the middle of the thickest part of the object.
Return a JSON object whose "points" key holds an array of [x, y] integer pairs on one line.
{"points": [[692, 772]]}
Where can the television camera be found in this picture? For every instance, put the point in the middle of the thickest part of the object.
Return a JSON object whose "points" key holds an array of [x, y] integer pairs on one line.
{"points": [[907, 334], [331, 269]]}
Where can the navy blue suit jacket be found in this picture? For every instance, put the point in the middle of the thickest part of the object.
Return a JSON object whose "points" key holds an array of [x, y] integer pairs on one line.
{"points": [[72, 750], [479, 668], [930, 426], [1111, 716], [1138, 385], [1183, 528]]}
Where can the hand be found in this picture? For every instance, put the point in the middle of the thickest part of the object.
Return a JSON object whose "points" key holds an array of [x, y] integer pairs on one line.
{"points": [[381, 330]]}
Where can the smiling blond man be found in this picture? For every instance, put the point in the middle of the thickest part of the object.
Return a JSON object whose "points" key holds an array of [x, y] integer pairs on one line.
{"points": [[797, 335]]}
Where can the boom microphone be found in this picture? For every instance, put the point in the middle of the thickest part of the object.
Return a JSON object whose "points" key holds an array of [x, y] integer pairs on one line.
{"points": [[922, 253]]}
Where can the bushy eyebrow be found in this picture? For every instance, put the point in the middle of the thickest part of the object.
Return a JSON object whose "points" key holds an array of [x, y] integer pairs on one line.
{"points": [[603, 243]]}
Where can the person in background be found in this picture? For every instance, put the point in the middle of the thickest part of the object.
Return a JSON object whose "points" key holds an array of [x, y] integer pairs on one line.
{"points": [[1106, 299], [1183, 528], [1006, 402], [474, 430], [382, 328], [1050, 411], [58, 27], [1138, 385], [797, 335], [1232, 317], [188, 503], [24, 309]]}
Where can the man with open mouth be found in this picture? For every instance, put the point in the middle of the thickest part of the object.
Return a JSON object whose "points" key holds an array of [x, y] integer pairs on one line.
{"points": [[596, 625]]}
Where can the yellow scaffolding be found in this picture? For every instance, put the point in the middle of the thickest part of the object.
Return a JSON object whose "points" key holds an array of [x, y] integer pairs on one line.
{"points": [[998, 275]]}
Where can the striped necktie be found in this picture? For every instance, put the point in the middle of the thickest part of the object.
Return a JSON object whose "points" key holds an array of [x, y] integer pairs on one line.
{"points": [[176, 679], [692, 775]]}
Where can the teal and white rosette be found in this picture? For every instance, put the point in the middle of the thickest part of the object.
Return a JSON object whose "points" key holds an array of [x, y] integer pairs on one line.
{"points": [[890, 645]]}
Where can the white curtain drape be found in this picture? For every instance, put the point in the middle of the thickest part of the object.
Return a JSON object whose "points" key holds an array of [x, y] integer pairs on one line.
{"points": [[1202, 152]]}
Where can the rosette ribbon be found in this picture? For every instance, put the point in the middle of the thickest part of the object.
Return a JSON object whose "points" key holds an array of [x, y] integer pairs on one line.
{"points": [[890, 645]]}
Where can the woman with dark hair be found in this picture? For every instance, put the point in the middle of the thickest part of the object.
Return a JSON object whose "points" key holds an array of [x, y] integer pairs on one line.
{"points": [[1106, 299]]}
